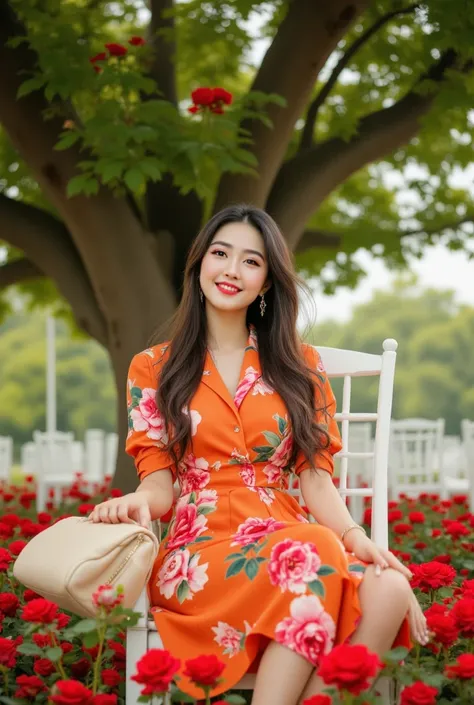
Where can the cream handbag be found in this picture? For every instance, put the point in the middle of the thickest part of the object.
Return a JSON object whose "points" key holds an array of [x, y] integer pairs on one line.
{"points": [[67, 562]]}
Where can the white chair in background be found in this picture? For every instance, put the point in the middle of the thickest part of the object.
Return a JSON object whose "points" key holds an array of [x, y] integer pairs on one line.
{"points": [[416, 456], [111, 450], [54, 465], [94, 443], [77, 456], [29, 458], [338, 363], [467, 435], [6, 457]]}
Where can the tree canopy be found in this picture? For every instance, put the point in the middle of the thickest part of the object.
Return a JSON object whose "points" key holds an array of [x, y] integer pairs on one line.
{"points": [[347, 131]]}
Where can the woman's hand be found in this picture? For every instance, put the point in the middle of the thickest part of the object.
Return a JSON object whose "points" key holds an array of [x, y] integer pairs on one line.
{"points": [[365, 550], [417, 621], [127, 509]]}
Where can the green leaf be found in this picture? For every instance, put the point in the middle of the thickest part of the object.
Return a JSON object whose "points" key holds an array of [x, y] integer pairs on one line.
{"points": [[317, 587], [30, 649], [182, 592], [200, 539], [110, 171], [8, 701], [85, 626], [272, 438], [78, 184], [67, 139], [261, 559], [177, 696], [54, 653], [30, 85], [235, 567], [251, 568], [282, 424], [134, 179], [231, 556], [151, 168], [325, 570], [234, 699], [92, 638], [397, 654]]}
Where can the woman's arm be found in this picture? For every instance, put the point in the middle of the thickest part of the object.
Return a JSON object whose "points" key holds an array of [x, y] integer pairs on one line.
{"points": [[158, 488], [326, 504]]}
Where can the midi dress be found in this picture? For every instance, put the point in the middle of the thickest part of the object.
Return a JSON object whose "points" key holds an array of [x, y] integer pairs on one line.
{"points": [[241, 564]]}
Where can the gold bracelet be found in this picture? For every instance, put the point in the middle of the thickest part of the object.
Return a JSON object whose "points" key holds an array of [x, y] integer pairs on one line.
{"points": [[349, 528]]}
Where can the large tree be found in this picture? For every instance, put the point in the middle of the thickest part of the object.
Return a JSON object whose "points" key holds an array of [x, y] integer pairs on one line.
{"points": [[108, 177]]}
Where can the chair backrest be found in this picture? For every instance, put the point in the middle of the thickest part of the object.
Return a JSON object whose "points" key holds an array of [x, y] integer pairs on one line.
{"points": [[467, 435], [77, 456], [111, 450], [453, 456], [54, 453], [6, 456], [94, 443], [416, 453], [348, 364], [29, 458]]}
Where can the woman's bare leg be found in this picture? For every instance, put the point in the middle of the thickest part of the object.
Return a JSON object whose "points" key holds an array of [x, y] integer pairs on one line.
{"points": [[384, 601], [281, 676]]}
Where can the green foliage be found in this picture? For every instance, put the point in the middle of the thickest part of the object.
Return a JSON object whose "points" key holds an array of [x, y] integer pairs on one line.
{"points": [[435, 362], [86, 395]]}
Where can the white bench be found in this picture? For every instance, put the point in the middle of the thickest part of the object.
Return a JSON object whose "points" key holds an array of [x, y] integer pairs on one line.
{"points": [[338, 363]]}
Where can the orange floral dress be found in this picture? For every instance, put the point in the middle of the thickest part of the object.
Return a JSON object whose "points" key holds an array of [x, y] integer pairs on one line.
{"points": [[240, 564]]}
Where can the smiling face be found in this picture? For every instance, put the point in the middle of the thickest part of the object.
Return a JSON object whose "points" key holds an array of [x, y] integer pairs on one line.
{"points": [[234, 269]]}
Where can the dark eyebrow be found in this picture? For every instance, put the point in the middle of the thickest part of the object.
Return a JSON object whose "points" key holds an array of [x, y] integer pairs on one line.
{"points": [[227, 244]]}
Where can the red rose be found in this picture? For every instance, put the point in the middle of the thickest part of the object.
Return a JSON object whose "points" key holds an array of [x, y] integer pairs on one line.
{"points": [[467, 588], [463, 613], [44, 667], [222, 96], [9, 603], [432, 575], [29, 595], [115, 492], [204, 670], [16, 547], [115, 50], [29, 687], [63, 620], [11, 520], [85, 508], [5, 559], [98, 57], [444, 628], [136, 41], [419, 694], [416, 517], [41, 611], [8, 652], [367, 519], [44, 518], [443, 558], [104, 699], [110, 677], [203, 96], [71, 693], [463, 668], [81, 667], [436, 532], [318, 700], [6, 531], [420, 545], [402, 528], [349, 667], [392, 504], [118, 659], [155, 670], [456, 529]]}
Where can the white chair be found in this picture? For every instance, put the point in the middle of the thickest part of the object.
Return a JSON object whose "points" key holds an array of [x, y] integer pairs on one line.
{"points": [[6, 457], [94, 444], [467, 435], [29, 459], [338, 363], [77, 452], [54, 465], [111, 450]]}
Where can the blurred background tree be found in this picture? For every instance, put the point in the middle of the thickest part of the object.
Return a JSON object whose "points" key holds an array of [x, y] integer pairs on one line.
{"points": [[347, 129]]}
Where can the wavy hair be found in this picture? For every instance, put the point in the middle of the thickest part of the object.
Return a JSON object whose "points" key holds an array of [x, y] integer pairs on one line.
{"points": [[279, 344]]}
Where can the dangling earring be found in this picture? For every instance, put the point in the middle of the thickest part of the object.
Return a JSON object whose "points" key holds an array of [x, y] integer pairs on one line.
{"points": [[201, 295], [263, 304]]}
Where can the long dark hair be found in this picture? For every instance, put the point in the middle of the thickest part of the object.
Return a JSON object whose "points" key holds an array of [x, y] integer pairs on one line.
{"points": [[281, 357]]}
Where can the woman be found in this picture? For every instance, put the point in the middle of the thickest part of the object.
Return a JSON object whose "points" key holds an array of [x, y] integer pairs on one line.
{"points": [[230, 407]]}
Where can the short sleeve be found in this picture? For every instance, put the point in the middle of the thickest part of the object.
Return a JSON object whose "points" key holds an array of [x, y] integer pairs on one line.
{"points": [[325, 411], [146, 439]]}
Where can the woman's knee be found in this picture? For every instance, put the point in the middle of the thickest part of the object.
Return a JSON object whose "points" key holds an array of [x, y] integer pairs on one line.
{"points": [[391, 584]]}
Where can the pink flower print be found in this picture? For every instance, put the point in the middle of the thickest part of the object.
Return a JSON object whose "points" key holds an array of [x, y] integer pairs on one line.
{"points": [[302, 519], [279, 459], [320, 367], [179, 570], [293, 564], [146, 417], [262, 388], [196, 419], [247, 473], [274, 474], [253, 338], [186, 526], [228, 637], [309, 631], [206, 498], [265, 494], [253, 529], [248, 380], [195, 474]]}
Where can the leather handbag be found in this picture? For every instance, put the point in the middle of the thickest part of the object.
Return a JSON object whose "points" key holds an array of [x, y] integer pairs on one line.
{"points": [[68, 561]]}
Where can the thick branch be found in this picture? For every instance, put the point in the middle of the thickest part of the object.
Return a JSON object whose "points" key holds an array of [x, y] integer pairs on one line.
{"points": [[308, 130], [334, 240], [18, 271], [305, 180], [162, 39], [305, 38], [49, 247]]}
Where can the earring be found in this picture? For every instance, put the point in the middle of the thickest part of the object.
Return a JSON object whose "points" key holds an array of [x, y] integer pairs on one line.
{"points": [[201, 295], [263, 304]]}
